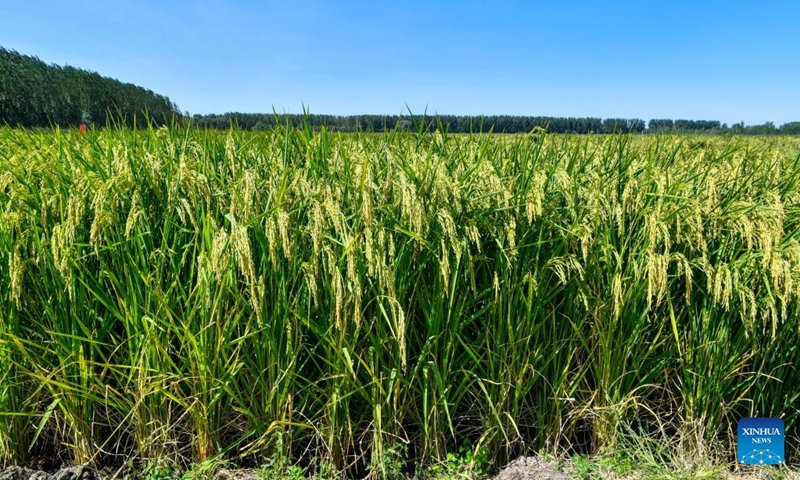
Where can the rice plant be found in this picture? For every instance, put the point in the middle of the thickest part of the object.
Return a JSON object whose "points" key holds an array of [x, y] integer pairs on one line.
{"points": [[326, 300]]}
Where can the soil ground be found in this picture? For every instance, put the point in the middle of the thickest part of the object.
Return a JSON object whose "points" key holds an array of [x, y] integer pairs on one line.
{"points": [[523, 468]]}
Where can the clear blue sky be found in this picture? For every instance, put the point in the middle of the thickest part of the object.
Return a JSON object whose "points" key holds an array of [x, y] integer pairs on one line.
{"points": [[703, 59]]}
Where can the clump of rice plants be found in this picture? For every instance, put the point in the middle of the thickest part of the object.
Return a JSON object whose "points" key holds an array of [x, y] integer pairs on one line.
{"points": [[331, 300]]}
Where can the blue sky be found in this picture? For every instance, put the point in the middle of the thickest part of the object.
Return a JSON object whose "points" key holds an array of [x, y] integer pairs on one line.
{"points": [[704, 59]]}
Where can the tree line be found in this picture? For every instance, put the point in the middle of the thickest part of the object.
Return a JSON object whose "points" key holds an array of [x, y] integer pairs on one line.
{"points": [[452, 123], [495, 123], [36, 94]]}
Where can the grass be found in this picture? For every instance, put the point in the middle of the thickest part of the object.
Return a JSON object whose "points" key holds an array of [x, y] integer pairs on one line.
{"points": [[334, 301]]}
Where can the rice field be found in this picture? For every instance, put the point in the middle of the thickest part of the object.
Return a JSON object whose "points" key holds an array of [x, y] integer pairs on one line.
{"points": [[337, 300]]}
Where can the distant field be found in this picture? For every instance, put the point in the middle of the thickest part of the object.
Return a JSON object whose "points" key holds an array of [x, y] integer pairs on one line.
{"points": [[372, 302]]}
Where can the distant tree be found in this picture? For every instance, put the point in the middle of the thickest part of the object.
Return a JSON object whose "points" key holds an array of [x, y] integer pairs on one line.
{"points": [[35, 94], [662, 125], [791, 128], [767, 128]]}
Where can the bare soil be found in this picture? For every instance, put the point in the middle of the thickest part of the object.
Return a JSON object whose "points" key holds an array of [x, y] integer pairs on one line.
{"points": [[523, 468], [532, 468]]}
